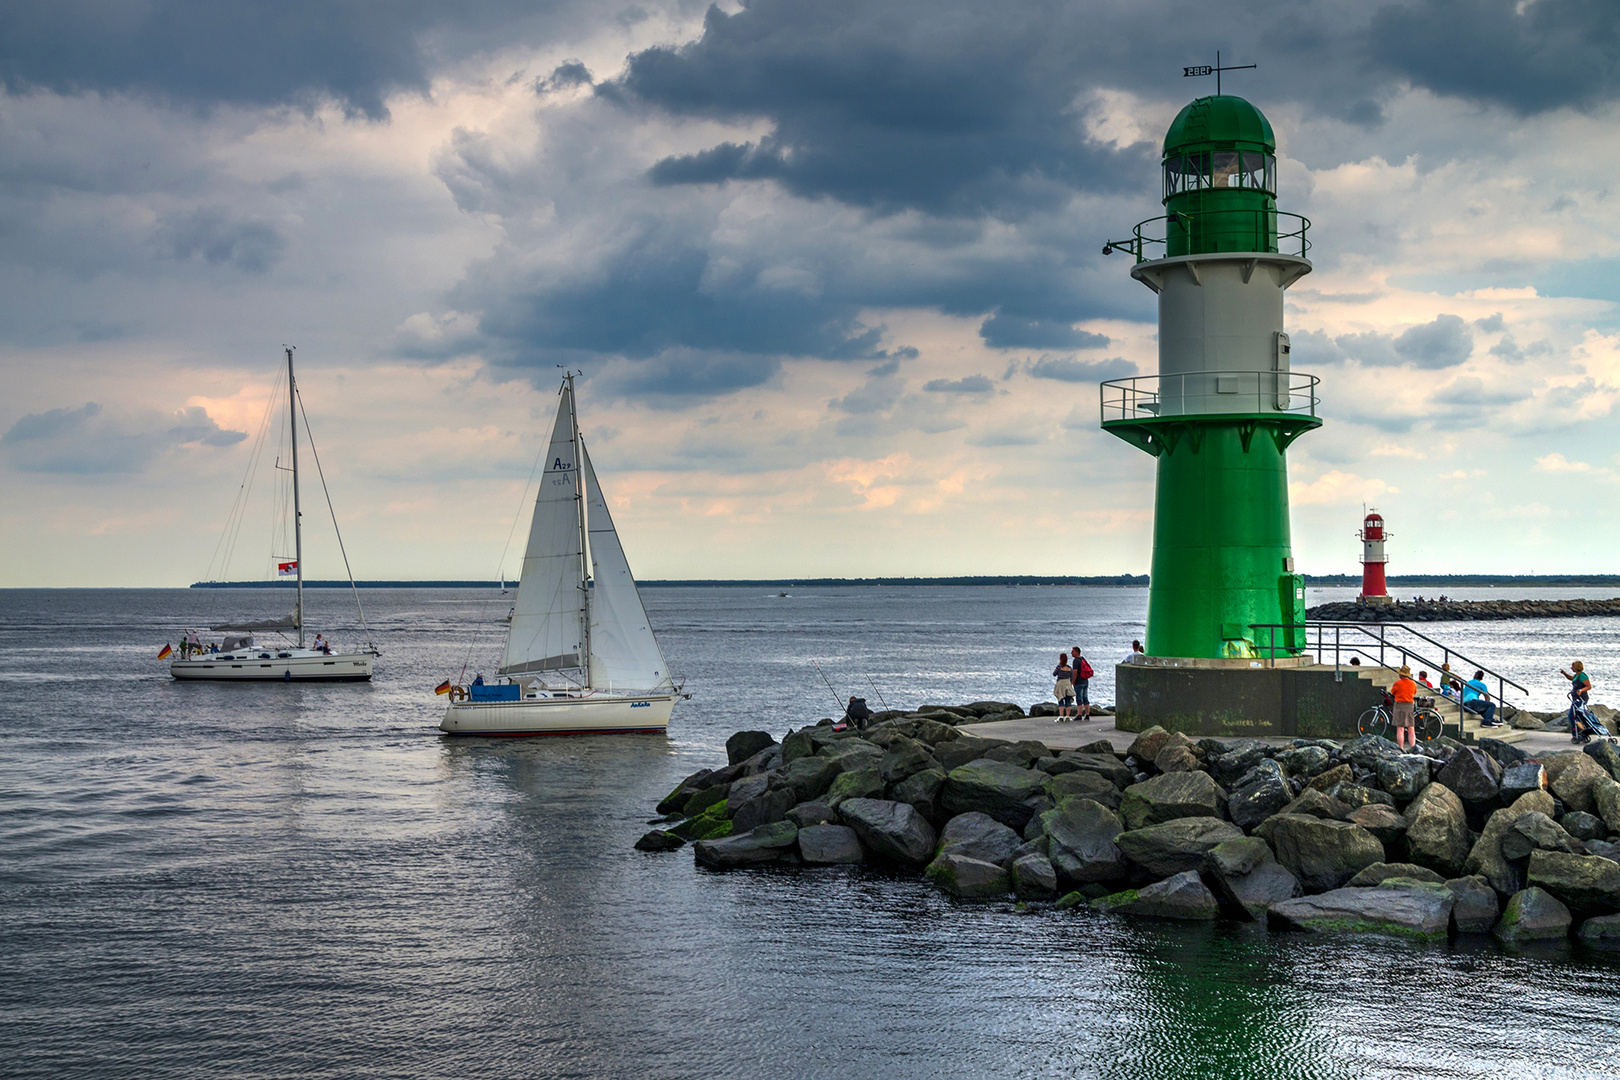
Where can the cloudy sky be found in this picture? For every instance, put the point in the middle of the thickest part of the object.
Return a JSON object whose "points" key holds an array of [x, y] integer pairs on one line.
{"points": [[832, 271]]}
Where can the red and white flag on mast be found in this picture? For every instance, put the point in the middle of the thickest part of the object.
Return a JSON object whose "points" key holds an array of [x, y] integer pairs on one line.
{"points": [[287, 569]]}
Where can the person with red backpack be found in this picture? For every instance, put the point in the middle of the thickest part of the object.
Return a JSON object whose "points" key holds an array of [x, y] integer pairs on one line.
{"points": [[1082, 679]]}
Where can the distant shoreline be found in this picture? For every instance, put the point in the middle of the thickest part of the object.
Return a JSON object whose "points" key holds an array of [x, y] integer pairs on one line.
{"points": [[1019, 581]]}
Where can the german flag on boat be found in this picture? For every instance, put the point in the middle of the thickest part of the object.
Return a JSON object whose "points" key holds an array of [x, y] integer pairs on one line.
{"points": [[164, 655], [442, 688]]}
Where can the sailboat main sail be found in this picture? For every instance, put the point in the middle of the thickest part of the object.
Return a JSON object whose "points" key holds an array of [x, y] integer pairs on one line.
{"points": [[624, 653], [548, 619]]}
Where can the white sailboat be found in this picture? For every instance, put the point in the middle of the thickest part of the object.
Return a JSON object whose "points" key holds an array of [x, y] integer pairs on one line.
{"points": [[242, 657], [580, 656]]}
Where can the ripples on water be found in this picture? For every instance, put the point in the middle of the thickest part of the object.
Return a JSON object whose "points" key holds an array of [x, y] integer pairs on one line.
{"points": [[301, 880]]}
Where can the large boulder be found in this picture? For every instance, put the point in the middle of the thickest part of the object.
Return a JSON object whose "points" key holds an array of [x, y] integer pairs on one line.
{"points": [[1505, 753], [1602, 932], [1171, 796], [1080, 836], [770, 807], [890, 830], [1437, 830], [797, 744], [745, 744], [1474, 906], [1606, 804], [1586, 884], [767, 843], [1317, 804], [1265, 792], [978, 836], [1176, 846], [1322, 854], [905, 757], [921, 791], [968, 878], [1367, 751], [965, 749], [707, 797], [1536, 831], [1230, 767], [1328, 780], [1177, 758], [812, 813], [1605, 754], [1247, 878], [826, 845], [1378, 873], [1521, 778], [1147, 744], [1393, 908], [1384, 823], [862, 783], [808, 777], [1034, 877], [1533, 915], [1571, 776], [1180, 896], [1474, 776], [1103, 764], [997, 788], [1303, 760], [1486, 858], [1584, 826], [1404, 776], [1090, 785], [659, 840], [675, 801]]}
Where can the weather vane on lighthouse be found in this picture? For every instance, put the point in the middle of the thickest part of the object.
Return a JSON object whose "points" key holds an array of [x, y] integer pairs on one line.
{"points": [[1205, 69]]}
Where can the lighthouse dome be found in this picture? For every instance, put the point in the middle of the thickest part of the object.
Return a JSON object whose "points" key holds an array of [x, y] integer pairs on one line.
{"points": [[1219, 122]]}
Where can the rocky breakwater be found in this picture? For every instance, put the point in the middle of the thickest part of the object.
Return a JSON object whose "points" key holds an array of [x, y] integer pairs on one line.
{"points": [[1313, 836], [1461, 610]]}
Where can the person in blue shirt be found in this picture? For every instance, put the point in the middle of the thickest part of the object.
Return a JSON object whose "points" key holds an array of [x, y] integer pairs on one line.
{"points": [[1476, 698]]}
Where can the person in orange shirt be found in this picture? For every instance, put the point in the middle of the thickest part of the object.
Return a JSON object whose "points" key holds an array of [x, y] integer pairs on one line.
{"points": [[1404, 692]]}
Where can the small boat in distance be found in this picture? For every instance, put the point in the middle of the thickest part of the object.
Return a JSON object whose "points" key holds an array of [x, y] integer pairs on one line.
{"points": [[242, 657], [580, 656]]}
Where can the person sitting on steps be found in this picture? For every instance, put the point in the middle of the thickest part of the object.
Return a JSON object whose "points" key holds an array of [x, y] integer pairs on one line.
{"points": [[1476, 698]]}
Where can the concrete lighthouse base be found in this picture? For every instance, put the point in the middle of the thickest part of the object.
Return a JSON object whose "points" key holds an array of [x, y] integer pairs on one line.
{"points": [[1291, 698]]}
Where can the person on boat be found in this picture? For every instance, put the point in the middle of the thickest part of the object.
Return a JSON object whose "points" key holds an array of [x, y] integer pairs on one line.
{"points": [[1476, 698], [1064, 690], [320, 643], [1403, 713], [478, 679], [1081, 677], [1580, 692]]}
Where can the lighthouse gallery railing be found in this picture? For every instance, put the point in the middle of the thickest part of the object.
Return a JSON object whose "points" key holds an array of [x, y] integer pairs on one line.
{"points": [[1207, 393]]}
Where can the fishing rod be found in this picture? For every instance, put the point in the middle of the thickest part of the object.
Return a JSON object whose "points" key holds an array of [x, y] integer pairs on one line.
{"points": [[879, 694], [828, 681]]}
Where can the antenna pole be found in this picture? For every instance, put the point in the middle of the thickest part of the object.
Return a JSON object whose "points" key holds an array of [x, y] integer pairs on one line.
{"points": [[298, 514]]}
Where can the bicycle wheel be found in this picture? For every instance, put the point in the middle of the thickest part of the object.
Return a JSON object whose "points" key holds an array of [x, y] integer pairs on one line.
{"points": [[1375, 721], [1429, 725]]}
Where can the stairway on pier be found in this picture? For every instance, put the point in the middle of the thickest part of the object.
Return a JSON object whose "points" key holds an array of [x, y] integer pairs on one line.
{"points": [[1452, 714]]}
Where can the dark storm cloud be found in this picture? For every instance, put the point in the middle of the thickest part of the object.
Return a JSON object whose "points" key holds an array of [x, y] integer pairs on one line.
{"points": [[1006, 331], [209, 235], [87, 440], [253, 52], [1528, 57], [1445, 342]]}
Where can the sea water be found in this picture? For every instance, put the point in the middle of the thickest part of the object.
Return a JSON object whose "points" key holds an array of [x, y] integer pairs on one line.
{"points": [[302, 880]]}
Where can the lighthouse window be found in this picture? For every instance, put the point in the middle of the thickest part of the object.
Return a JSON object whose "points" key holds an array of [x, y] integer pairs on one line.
{"points": [[1185, 172], [1245, 169]]}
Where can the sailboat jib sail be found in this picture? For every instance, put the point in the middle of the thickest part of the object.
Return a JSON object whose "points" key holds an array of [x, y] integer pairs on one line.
{"points": [[548, 619], [624, 653]]}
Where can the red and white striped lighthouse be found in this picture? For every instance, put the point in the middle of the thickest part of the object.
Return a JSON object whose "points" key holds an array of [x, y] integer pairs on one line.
{"points": [[1373, 588]]}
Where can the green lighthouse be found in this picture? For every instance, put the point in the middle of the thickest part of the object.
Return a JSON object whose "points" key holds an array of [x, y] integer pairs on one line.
{"points": [[1220, 414]]}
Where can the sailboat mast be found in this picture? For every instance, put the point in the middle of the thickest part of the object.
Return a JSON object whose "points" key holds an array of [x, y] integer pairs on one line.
{"points": [[584, 530], [298, 514]]}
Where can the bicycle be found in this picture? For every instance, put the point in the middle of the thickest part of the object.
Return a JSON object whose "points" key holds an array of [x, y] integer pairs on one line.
{"points": [[1427, 723]]}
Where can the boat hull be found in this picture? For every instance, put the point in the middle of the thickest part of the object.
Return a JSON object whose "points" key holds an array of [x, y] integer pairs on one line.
{"points": [[642, 714], [301, 667]]}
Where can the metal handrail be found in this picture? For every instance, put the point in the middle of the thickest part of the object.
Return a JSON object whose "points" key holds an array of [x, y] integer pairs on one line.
{"points": [[1145, 248], [1157, 396], [1407, 654]]}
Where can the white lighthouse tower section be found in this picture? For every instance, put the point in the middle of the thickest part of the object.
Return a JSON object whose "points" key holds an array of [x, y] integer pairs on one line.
{"points": [[1222, 347]]}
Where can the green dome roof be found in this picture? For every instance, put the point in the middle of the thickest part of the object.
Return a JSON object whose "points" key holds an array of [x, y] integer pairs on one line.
{"points": [[1216, 121]]}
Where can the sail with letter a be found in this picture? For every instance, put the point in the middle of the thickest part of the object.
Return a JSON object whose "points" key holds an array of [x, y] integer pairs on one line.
{"points": [[548, 630]]}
